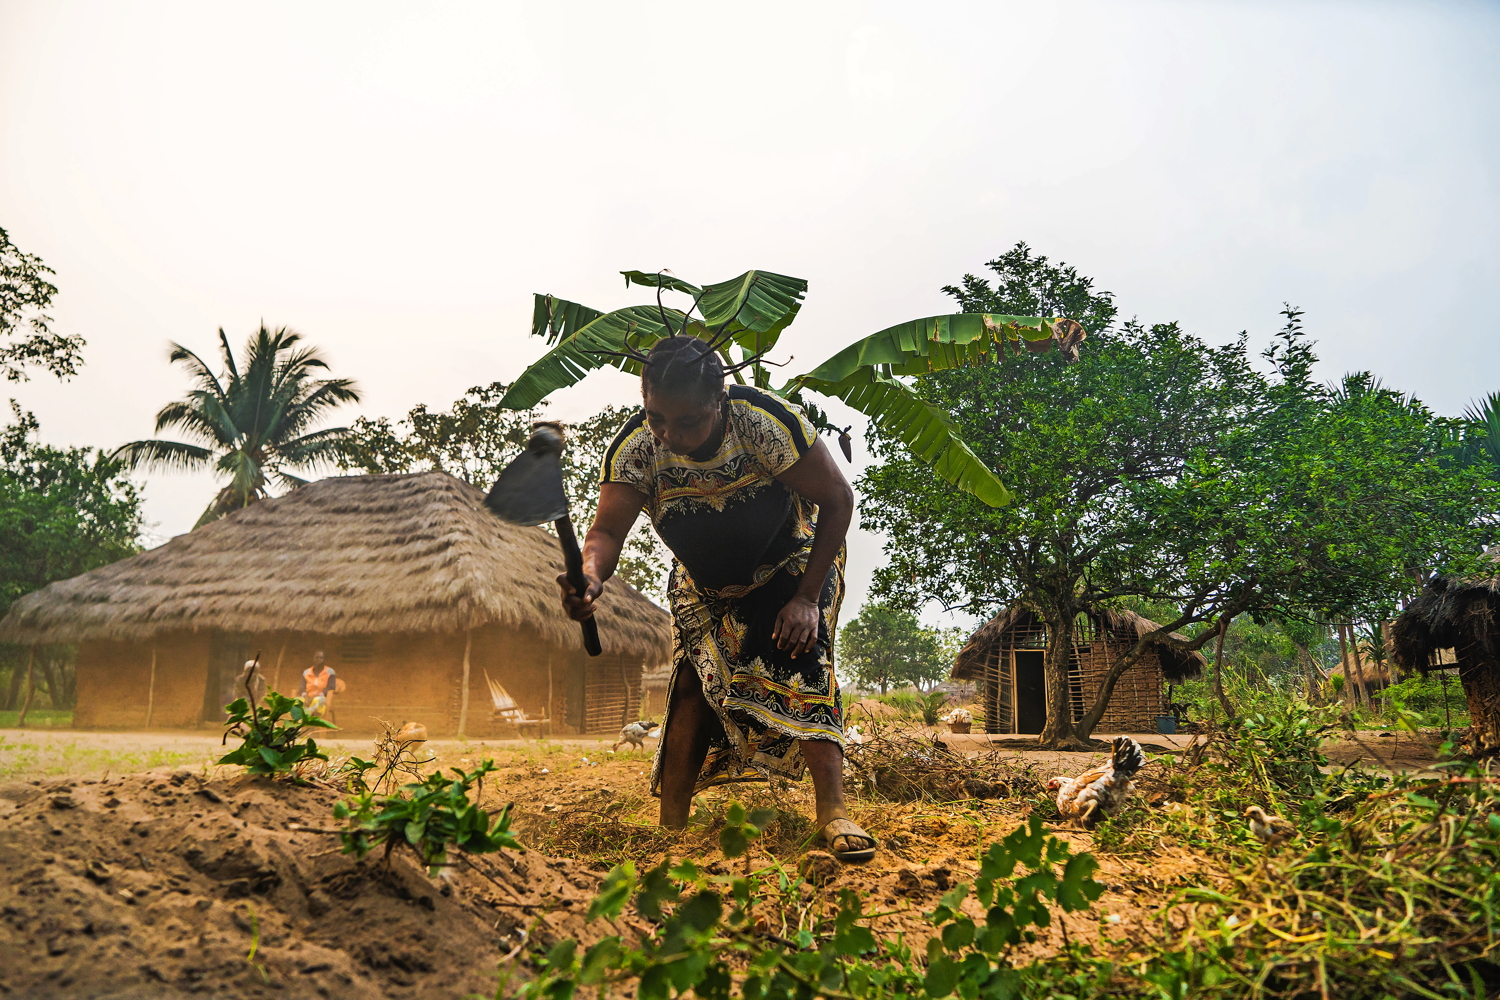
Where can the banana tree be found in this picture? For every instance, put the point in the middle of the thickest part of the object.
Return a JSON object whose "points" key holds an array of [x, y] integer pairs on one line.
{"points": [[748, 314]]}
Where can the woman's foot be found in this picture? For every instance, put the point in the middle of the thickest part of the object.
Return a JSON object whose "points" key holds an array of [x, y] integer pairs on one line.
{"points": [[847, 842]]}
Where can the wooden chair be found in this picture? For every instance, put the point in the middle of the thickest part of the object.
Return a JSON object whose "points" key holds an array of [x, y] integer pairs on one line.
{"points": [[508, 712]]}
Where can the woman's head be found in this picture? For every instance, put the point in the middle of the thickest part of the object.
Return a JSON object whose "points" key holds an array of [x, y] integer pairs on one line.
{"points": [[683, 392]]}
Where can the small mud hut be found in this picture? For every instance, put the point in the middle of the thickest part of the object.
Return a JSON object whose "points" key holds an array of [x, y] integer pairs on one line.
{"points": [[1461, 615], [1005, 658], [418, 596]]}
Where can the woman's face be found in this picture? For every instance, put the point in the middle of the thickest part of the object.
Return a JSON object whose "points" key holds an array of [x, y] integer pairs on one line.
{"points": [[684, 422]]}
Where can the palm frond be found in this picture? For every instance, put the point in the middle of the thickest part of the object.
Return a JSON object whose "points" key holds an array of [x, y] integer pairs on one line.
{"points": [[162, 455], [197, 416], [198, 369], [299, 413], [322, 446], [289, 481], [228, 355]]}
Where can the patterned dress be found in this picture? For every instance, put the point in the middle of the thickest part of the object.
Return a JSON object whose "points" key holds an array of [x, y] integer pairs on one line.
{"points": [[741, 541]]}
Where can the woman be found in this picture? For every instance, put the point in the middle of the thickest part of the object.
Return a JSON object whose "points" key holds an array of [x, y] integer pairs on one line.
{"points": [[747, 497]]}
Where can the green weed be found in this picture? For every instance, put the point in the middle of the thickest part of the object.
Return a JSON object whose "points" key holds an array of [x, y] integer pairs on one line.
{"points": [[269, 745], [430, 817]]}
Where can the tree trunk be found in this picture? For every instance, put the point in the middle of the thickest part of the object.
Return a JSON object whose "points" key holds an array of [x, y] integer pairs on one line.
{"points": [[13, 691], [1219, 673], [1084, 730], [30, 687], [58, 689], [1359, 667], [1481, 681], [1349, 695], [1059, 732]]}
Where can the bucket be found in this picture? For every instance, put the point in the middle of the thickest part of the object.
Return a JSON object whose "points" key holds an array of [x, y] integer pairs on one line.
{"points": [[959, 728], [1166, 725]]}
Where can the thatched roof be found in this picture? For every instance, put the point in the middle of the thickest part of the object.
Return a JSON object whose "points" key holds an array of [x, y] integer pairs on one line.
{"points": [[1451, 612], [1176, 664], [355, 554]]}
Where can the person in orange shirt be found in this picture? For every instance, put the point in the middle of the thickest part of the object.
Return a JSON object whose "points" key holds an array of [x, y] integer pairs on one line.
{"points": [[319, 681]]}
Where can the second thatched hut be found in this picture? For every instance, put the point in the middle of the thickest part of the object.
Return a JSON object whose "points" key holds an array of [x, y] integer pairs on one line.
{"points": [[1461, 614], [417, 595], [1005, 658]]}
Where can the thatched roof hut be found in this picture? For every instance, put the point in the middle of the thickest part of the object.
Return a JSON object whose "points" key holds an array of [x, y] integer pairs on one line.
{"points": [[1005, 656], [1461, 614], [389, 570]]}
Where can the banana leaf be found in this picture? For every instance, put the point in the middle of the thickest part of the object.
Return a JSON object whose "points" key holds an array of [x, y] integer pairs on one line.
{"points": [[661, 279], [555, 318], [938, 342], [925, 429], [756, 306], [577, 336]]}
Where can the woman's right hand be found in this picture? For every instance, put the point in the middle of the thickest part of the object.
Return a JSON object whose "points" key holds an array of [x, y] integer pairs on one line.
{"points": [[579, 607]]}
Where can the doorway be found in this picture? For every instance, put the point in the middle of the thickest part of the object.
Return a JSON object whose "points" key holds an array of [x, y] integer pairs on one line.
{"points": [[1031, 690], [227, 654]]}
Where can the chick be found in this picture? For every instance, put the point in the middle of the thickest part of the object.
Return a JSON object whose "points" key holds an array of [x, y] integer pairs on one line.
{"points": [[1269, 830]]}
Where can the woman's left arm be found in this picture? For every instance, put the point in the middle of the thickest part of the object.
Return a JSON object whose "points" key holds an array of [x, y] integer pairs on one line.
{"points": [[819, 480]]}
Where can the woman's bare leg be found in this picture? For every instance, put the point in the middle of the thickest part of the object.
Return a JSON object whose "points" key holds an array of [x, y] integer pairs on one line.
{"points": [[825, 762], [684, 745]]}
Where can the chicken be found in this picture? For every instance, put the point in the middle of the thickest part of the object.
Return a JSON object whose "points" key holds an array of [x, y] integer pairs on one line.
{"points": [[1103, 790], [1269, 830], [635, 734]]}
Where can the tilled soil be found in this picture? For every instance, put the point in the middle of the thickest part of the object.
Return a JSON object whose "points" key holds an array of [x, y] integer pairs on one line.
{"points": [[163, 883]]}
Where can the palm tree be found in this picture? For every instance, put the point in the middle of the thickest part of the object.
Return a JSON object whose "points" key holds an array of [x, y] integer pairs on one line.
{"points": [[749, 313], [251, 424], [1481, 433]]}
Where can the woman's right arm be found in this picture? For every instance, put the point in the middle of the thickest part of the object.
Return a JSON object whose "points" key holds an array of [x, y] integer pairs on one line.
{"points": [[619, 505]]}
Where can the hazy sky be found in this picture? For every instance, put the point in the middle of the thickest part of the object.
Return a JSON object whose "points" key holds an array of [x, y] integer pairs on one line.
{"points": [[395, 180]]}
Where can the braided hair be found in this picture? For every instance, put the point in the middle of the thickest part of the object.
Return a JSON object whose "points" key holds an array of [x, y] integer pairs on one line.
{"points": [[683, 366]]}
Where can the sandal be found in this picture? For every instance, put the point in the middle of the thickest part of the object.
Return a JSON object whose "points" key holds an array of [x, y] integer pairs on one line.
{"points": [[859, 846]]}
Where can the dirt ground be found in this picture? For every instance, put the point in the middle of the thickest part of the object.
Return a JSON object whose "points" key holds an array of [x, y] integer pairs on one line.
{"points": [[131, 867]]}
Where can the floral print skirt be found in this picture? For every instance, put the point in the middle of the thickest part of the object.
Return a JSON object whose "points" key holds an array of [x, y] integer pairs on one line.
{"points": [[765, 701]]}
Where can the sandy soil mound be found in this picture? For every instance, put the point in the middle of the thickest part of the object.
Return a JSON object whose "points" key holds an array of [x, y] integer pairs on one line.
{"points": [[157, 884]]}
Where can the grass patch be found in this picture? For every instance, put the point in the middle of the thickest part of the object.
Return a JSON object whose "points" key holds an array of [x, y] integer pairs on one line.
{"points": [[25, 759], [39, 718]]}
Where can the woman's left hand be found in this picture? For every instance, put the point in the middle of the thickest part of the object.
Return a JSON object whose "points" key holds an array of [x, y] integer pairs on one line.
{"points": [[797, 626]]}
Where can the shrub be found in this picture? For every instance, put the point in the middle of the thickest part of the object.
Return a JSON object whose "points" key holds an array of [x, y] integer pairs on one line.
{"points": [[271, 735], [705, 936], [431, 817]]}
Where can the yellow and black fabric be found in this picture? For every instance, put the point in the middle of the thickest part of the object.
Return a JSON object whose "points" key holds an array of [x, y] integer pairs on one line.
{"points": [[741, 540]]}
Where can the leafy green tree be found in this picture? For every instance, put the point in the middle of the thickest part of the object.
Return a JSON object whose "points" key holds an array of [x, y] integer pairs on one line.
{"points": [[1164, 469], [26, 336], [254, 423], [477, 437], [63, 511], [886, 646], [748, 314]]}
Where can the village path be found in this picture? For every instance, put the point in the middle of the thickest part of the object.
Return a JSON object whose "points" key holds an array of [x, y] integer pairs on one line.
{"points": [[27, 754]]}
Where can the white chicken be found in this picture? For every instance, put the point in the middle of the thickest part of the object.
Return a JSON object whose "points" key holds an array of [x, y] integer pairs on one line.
{"points": [[1268, 829], [636, 733], [1100, 791]]}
